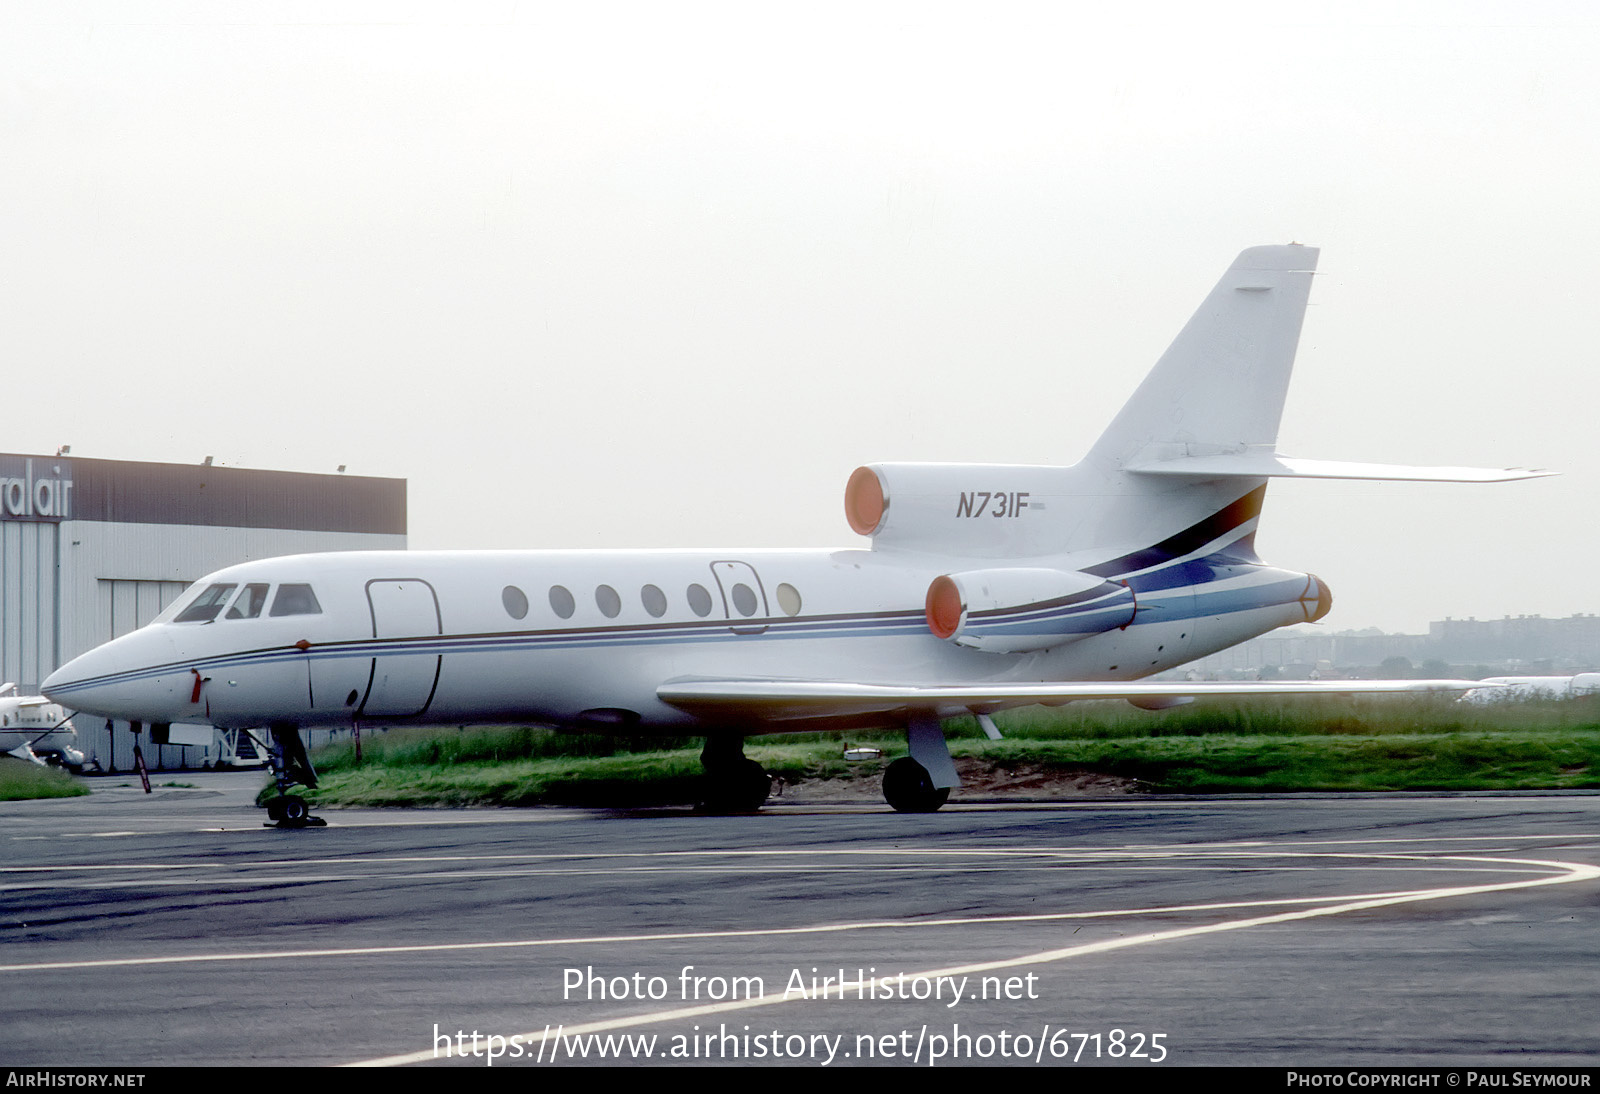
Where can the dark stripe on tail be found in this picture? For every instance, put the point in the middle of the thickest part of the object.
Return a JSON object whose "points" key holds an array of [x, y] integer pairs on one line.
{"points": [[1191, 539]]}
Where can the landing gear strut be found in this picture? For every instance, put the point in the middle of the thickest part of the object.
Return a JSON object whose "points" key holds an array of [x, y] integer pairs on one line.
{"points": [[291, 765], [733, 782]]}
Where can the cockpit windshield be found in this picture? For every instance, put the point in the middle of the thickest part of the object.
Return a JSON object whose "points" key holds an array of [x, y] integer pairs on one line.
{"points": [[249, 602], [207, 605]]}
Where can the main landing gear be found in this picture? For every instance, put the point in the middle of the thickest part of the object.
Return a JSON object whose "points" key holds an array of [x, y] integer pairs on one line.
{"points": [[291, 765], [909, 788], [921, 782], [918, 783], [733, 782]]}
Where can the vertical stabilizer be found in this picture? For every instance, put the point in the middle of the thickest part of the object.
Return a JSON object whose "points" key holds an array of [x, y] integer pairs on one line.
{"points": [[1220, 386]]}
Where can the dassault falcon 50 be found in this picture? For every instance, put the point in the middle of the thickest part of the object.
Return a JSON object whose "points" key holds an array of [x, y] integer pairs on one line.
{"points": [[984, 587]]}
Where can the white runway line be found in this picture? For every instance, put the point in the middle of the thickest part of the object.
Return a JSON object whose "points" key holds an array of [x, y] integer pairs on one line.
{"points": [[1573, 872], [1142, 859], [226, 873]]}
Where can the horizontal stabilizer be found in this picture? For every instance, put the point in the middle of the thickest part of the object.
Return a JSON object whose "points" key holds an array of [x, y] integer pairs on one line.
{"points": [[1269, 465], [780, 700]]}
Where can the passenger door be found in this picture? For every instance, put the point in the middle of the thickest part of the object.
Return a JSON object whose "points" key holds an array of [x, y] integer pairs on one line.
{"points": [[402, 682], [742, 595]]}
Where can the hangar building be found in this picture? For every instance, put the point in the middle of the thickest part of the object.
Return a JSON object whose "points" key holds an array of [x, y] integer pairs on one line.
{"points": [[92, 549]]}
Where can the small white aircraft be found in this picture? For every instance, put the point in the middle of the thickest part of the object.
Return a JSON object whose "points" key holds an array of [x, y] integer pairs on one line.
{"points": [[985, 587], [33, 728], [1506, 689]]}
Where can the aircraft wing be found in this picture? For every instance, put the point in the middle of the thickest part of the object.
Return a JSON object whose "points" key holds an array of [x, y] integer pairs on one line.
{"points": [[782, 700]]}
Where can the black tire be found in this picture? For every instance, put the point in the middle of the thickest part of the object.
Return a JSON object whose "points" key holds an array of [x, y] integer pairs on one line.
{"points": [[908, 788], [741, 789], [295, 811]]}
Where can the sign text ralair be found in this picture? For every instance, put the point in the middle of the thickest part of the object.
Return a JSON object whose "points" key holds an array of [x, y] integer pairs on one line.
{"points": [[35, 493]]}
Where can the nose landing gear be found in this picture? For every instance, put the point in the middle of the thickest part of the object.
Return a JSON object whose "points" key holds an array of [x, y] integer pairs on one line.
{"points": [[291, 766]]}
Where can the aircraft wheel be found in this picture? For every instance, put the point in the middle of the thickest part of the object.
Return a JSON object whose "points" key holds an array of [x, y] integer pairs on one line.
{"points": [[289, 811], [743, 788], [908, 788]]}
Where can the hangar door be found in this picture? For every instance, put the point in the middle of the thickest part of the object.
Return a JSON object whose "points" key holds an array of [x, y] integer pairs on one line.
{"points": [[30, 560], [402, 682]]}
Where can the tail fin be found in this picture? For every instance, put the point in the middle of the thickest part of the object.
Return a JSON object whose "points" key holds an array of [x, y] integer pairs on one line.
{"points": [[1220, 386], [1183, 466], [1210, 408]]}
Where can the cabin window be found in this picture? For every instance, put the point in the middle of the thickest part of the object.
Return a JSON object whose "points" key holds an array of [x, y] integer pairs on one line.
{"points": [[789, 599], [699, 600], [295, 600], [744, 599], [249, 602], [655, 601], [515, 600], [207, 605], [607, 600], [561, 601]]}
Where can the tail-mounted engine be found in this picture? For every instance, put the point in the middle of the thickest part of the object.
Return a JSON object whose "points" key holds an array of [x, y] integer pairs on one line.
{"points": [[1019, 610], [993, 510]]}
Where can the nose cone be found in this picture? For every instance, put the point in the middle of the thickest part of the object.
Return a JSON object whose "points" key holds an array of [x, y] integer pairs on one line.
{"points": [[132, 678]]}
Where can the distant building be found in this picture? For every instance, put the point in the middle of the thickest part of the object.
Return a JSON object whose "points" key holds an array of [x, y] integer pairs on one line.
{"points": [[1496, 646], [1309, 647], [1523, 637], [92, 549]]}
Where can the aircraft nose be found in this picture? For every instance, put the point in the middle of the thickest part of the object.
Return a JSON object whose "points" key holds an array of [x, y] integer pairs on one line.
{"points": [[132, 678], [60, 680]]}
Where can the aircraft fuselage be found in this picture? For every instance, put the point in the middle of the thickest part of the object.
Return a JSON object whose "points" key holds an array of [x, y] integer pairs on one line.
{"points": [[586, 638]]}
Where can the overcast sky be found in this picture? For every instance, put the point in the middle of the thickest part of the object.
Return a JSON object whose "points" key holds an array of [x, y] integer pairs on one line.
{"points": [[608, 275]]}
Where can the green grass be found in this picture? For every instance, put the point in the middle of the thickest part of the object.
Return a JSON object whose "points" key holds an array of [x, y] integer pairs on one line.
{"points": [[519, 766], [1393, 743], [1308, 744], [646, 778], [495, 744], [21, 780], [1336, 716], [1234, 763]]}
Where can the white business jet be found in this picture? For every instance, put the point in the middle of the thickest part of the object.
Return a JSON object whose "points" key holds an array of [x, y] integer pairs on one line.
{"points": [[1511, 689], [985, 587], [33, 728]]}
